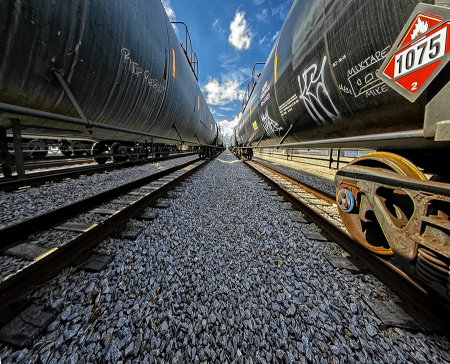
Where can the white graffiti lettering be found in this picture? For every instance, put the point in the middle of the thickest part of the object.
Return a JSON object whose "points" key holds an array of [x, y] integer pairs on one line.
{"points": [[378, 56], [270, 126], [135, 69], [314, 94], [345, 89], [377, 90]]}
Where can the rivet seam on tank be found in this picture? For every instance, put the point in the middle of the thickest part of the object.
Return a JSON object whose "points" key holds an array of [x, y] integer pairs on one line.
{"points": [[134, 68]]}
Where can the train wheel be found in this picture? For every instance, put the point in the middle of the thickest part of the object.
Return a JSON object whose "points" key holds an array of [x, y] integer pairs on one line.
{"points": [[354, 207], [99, 148], [118, 148], [38, 149], [78, 148], [145, 153], [64, 149]]}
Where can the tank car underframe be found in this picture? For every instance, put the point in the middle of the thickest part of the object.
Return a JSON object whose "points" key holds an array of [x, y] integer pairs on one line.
{"points": [[411, 215], [7, 160]]}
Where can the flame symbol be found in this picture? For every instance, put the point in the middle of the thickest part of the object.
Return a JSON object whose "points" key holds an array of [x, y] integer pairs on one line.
{"points": [[421, 27]]}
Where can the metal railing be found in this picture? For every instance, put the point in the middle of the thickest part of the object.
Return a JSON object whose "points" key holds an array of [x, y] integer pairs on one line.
{"points": [[251, 83], [190, 54], [330, 156]]}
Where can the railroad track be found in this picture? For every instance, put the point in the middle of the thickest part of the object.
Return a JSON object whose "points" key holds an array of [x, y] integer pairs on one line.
{"points": [[61, 161], [131, 200], [321, 208], [33, 179], [55, 161], [32, 165]]}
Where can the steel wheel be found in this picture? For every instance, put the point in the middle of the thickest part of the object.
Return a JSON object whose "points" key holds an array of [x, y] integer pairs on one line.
{"points": [[78, 148], [118, 148], [355, 209], [38, 148], [99, 148], [64, 149]]}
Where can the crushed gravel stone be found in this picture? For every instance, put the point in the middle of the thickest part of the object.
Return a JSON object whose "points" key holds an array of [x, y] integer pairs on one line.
{"points": [[221, 276], [15, 207]]}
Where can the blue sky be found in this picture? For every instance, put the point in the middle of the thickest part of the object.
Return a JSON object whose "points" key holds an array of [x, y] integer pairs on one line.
{"points": [[229, 37]]}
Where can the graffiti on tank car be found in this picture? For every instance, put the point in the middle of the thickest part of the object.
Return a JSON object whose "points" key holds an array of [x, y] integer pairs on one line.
{"points": [[135, 69], [345, 89], [369, 61], [314, 93], [363, 78], [377, 90], [270, 126], [286, 107]]}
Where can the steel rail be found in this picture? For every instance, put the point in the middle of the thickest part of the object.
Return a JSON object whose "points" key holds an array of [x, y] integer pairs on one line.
{"points": [[50, 162], [311, 189], [10, 234], [302, 156], [21, 285], [12, 183], [425, 307]]}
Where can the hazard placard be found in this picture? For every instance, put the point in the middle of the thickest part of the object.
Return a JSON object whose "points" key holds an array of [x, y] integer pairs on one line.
{"points": [[420, 52]]}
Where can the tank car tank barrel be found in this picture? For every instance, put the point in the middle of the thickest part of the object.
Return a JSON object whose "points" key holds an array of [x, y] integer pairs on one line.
{"points": [[18, 110]]}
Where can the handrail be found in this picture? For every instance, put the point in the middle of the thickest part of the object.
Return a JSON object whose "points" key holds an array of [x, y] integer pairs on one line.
{"points": [[251, 83], [190, 54]]}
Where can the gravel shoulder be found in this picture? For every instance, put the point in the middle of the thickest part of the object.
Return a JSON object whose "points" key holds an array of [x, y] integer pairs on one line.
{"points": [[224, 276]]}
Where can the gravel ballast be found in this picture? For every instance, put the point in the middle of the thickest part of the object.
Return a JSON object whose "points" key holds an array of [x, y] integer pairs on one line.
{"points": [[221, 276], [15, 207], [316, 175]]}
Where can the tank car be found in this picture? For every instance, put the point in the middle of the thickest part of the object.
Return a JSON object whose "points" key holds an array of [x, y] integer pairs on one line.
{"points": [[368, 74], [113, 73]]}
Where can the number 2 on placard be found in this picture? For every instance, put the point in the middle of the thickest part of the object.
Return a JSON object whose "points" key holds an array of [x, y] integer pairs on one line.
{"points": [[414, 86]]}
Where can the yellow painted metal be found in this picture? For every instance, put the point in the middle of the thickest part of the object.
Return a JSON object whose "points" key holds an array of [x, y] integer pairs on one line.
{"points": [[393, 161], [275, 68]]}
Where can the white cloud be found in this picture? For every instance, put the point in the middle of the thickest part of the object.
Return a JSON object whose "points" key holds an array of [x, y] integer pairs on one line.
{"points": [[221, 93], [227, 125], [225, 108], [274, 38], [232, 68], [258, 2], [262, 40], [169, 10], [215, 22], [262, 16], [240, 35], [282, 9]]}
